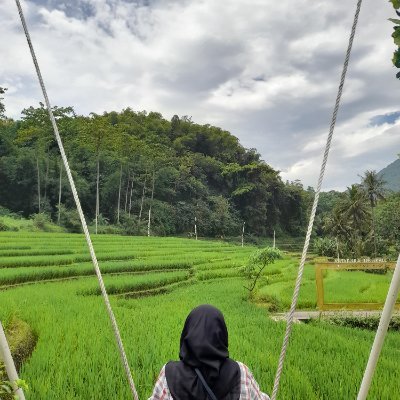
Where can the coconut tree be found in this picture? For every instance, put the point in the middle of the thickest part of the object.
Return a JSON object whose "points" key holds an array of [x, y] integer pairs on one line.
{"points": [[338, 226], [354, 210], [373, 185]]}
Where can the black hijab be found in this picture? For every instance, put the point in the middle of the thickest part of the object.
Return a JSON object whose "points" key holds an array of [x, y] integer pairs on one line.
{"points": [[204, 345]]}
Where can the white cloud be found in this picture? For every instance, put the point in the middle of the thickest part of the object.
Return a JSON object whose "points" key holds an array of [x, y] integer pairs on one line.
{"points": [[268, 71]]}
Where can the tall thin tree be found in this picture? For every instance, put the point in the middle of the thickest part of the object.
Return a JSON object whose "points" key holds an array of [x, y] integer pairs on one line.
{"points": [[119, 193], [151, 204], [374, 187], [59, 193], [130, 196], [142, 200]]}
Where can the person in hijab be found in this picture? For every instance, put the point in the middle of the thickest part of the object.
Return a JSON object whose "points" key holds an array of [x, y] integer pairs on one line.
{"points": [[205, 371]]}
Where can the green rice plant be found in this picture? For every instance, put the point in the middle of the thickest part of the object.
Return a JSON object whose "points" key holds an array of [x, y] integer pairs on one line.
{"points": [[36, 252], [219, 273], [32, 261], [356, 287], [75, 355], [15, 276], [132, 283]]}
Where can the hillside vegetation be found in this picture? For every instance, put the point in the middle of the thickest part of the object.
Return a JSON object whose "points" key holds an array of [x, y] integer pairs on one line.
{"points": [[131, 167]]}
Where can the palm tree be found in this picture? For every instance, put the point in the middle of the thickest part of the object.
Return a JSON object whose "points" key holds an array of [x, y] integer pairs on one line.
{"points": [[373, 185], [354, 211], [354, 207], [338, 226]]}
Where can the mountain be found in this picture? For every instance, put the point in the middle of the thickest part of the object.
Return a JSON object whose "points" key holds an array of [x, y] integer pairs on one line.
{"points": [[391, 174]]}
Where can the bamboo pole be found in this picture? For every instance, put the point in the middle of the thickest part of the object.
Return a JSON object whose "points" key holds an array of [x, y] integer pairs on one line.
{"points": [[5, 355], [381, 332], [244, 223], [195, 226]]}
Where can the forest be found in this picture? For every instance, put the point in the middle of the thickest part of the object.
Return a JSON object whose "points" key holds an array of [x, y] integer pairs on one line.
{"points": [[129, 165], [140, 174]]}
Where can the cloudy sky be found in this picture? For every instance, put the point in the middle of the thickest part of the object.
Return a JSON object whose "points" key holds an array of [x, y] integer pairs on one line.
{"points": [[265, 70]]}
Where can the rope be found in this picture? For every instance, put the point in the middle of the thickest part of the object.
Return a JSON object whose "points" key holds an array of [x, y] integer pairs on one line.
{"points": [[78, 206], [289, 323], [391, 298]]}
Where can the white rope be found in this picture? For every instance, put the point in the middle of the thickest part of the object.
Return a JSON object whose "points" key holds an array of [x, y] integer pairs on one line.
{"points": [[78, 206], [289, 323], [5, 355], [386, 316]]}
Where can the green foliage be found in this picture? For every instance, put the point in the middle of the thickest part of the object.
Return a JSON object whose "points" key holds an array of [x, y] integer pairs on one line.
{"points": [[395, 36], [351, 219], [42, 222], [370, 323], [257, 263], [200, 170], [7, 390], [395, 3], [388, 221], [70, 220], [74, 329], [2, 107], [21, 340], [396, 58], [325, 247]]}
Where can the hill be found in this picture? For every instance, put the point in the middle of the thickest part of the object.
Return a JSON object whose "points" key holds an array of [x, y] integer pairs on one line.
{"points": [[391, 174], [141, 173]]}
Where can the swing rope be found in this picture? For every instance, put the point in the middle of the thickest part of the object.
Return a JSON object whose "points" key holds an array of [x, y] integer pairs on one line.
{"points": [[289, 323], [79, 208], [380, 335]]}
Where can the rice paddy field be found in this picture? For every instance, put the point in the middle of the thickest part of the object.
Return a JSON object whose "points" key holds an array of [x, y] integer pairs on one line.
{"points": [[47, 281]]}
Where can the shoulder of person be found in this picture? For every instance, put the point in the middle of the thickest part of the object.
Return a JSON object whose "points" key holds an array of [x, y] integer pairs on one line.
{"points": [[244, 369]]}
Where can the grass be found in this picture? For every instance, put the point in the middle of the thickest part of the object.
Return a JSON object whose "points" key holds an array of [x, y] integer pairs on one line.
{"points": [[365, 287], [14, 223], [75, 356]]}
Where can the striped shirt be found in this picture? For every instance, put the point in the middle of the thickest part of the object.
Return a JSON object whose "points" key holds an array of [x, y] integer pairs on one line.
{"points": [[249, 389]]}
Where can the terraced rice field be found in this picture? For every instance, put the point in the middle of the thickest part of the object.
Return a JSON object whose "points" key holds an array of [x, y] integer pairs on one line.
{"points": [[47, 280]]}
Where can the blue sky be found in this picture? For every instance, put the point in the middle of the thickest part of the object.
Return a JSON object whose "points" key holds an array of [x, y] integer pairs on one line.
{"points": [[266, 71]]}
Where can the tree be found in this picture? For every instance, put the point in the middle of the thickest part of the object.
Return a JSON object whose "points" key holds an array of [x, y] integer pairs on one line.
{"points": [[126, 148], [388, 219], [354, 211], [36, 131], [197, 169], [151, 203], [257, 263], [96, 133], [396, 36], [354, 208], [2, 107], [373, 185]]}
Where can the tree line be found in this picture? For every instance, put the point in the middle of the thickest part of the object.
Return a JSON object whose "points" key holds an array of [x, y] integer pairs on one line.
{"points": [[139, 173], [363, 221]]}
